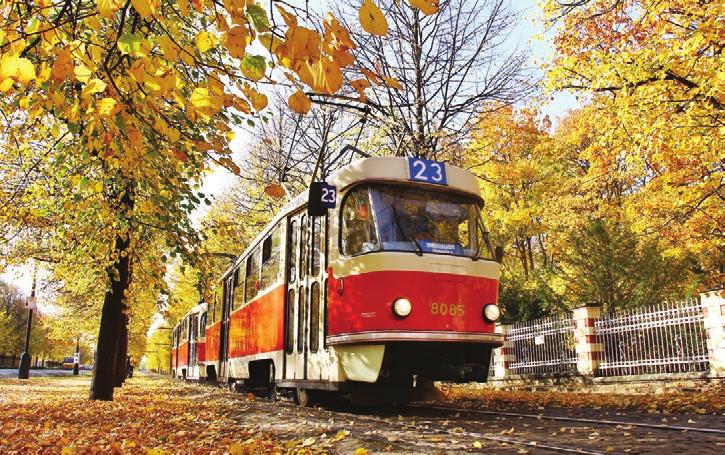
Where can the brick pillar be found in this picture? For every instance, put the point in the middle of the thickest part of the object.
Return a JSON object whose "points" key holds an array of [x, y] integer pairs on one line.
{"points": [[588, 348], [713, 305], [503, 356]]}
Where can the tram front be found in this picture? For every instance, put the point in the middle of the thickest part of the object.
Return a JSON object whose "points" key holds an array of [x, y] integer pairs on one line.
{"points": [[413, 287]]}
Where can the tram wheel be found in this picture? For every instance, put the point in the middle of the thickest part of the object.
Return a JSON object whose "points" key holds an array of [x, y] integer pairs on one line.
{"points": [[301, 397]]}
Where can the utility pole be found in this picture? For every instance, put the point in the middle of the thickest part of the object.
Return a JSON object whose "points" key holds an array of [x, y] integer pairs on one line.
{"points": [[24, 367], [77, 356]]}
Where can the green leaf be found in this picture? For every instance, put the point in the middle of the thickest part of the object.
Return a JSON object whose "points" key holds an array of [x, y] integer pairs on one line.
{"points": [[253, 67], [258, 16], [129, 43]]}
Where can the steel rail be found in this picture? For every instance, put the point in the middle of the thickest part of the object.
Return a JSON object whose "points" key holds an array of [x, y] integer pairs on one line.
{"points": [[575, 419], [471, 434]]}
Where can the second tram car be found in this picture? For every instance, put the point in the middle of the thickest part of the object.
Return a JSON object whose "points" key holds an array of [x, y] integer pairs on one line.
{"points": [[394, 286], [188, 344]]}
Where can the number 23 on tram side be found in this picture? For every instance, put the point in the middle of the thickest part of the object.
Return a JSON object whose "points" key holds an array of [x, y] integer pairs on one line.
{"points": [[394, 286]]}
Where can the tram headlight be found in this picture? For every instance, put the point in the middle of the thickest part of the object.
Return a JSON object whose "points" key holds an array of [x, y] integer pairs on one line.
{"points": [[491, 312], [402, 307]]}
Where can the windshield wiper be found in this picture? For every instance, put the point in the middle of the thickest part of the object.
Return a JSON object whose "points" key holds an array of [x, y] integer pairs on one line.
{"points": [[414, 241], [485, 239]]}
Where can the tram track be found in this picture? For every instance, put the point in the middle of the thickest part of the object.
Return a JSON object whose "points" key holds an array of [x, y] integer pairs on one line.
{"points": [[574, 419], [457, 432], [446, 429]]}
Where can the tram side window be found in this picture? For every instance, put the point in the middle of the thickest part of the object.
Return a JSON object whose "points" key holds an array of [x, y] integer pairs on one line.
{"points": [[270, 258], [202, 325], [251, 286], [237, 297], [358, 226], [292, 252], [194, 328], [315, 317], [301, 322], [304, 247], [316, 245], [289, 327]]}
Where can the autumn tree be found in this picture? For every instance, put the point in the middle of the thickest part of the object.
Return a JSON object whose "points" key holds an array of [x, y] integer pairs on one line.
{"points": [[113, 112], [651, 70], [451, 56]]}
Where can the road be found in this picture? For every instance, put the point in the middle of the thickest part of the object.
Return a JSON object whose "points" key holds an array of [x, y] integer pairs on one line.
{"points": [[41, 373]]}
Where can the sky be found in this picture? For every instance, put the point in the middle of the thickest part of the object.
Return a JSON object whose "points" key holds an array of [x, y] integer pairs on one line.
{"points": [[529, 33]]}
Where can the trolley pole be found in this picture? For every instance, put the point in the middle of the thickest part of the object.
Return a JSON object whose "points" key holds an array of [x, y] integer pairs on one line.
{"points": [[77, 356], [24, 367]]}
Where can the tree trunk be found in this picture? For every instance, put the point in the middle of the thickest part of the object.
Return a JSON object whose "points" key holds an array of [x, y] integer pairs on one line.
{"points": [[122, 352], [104, 371]]}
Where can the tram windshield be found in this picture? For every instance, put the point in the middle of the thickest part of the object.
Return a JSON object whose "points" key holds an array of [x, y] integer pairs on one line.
{"points": [[419, 220]]}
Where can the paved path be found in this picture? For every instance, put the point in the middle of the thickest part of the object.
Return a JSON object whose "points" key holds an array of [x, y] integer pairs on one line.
{"points": [[13, 372]]}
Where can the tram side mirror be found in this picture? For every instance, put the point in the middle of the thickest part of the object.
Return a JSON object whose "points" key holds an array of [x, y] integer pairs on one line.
{"points": [[498, 254], [321, 197]]}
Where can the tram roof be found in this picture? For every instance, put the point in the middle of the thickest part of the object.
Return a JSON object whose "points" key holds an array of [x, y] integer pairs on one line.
{"points": [[374, 169]]}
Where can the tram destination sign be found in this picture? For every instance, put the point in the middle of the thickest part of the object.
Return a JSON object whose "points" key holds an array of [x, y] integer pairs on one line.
{"points": [[427, 171], [321, 198]]}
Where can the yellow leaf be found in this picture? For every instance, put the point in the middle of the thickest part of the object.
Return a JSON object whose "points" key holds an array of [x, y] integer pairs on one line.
{"points": [[477, 444], [229, 164], [205, 41], [18, 68], [392, 83], [6, 85], [145, 8], [289, 18], [275, 190], [258, 100], [374, 78], [184, 7], [372, 19], [94, 86], [8, 66], [63, 66], [361, 451], [106, 106], [82, 73], [205, 103], [108, 8], [98, 187], [359, 85], [236, 41], [427, 7], [168, 47], [327, 76], [299, 102]]}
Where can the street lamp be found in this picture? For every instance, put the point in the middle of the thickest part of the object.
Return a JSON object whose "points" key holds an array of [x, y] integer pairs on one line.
{"points": [[24, 367]]}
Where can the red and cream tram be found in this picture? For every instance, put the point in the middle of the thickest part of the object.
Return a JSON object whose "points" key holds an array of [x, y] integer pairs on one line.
{"points": [[188, 344], [394, 285]]}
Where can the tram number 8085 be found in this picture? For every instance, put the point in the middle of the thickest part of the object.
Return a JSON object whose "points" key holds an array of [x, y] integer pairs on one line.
{"points": [[447, 309]]}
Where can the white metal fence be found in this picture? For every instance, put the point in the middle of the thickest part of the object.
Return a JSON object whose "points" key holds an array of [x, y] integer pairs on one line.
{"points": [[543, 346], [665, 338]]}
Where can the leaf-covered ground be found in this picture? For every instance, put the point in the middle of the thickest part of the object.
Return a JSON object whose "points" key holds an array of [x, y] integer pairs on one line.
{"points": [[148, 416], [707, 401]]}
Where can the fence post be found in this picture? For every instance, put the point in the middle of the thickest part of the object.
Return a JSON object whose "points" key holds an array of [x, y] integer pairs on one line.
{"points": [[588, 348], [503, 356], [713, 305]]}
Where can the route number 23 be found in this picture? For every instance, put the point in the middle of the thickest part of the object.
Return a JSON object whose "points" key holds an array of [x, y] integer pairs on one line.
{"points": [[427, 171], [328, 196]]}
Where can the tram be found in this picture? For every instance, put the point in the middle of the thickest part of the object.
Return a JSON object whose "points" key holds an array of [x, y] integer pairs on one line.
{"points": [[188, 344], [394, 286]]}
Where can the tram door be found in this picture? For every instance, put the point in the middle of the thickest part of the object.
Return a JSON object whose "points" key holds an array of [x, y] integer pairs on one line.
{"points": [[304, 359], [224, 329]]}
